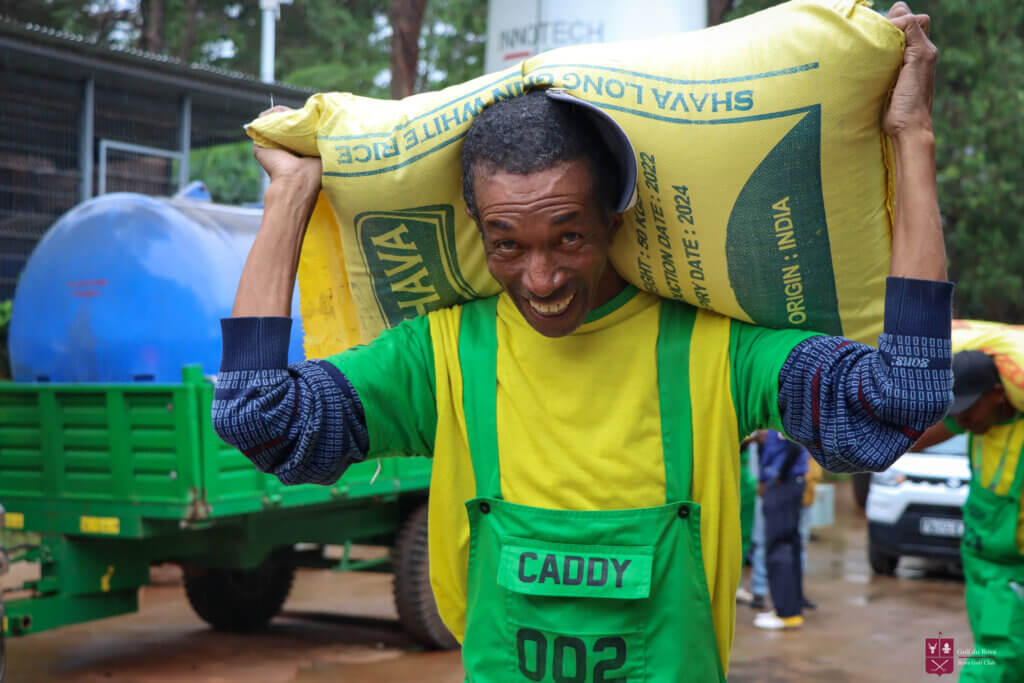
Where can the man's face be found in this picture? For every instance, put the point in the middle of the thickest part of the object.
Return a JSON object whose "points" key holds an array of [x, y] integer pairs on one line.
{"points": [[547, 243], [990, 409]]}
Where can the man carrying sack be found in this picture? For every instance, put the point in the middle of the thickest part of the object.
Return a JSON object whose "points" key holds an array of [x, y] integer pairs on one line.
{"points": [[992, 548], [584, 507]]}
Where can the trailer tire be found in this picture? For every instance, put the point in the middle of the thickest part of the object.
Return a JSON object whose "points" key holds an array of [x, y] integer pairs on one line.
{"points": [[240, 600], [414, 598]]}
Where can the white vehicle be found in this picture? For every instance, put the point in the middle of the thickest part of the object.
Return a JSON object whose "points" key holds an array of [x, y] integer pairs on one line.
{"points": [[914, 507]]}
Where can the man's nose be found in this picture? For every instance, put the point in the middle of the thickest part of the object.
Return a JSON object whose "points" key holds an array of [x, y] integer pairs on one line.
{"points": [[543, 277]]}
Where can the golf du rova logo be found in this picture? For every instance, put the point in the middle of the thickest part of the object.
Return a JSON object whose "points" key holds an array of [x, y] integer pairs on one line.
{"points": [[411, 256]]}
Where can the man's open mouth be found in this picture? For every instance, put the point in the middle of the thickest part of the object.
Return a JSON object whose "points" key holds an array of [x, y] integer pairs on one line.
{"points": [[555, 307]]}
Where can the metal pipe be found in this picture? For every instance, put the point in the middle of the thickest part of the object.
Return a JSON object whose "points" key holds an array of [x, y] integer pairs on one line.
{"points": [[186, 140], [86, 132], [267, 40]]}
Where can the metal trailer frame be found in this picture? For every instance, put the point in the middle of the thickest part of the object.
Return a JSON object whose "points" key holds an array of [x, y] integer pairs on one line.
{"points": [[116, 477]]}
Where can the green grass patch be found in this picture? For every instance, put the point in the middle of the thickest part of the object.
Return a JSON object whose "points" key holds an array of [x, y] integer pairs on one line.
{"points": [[10, 538]]}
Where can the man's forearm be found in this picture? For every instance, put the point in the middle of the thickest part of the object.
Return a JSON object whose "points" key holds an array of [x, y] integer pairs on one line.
{"points": [[303, 422], [918, 249], [268, 279], [856, 408]]}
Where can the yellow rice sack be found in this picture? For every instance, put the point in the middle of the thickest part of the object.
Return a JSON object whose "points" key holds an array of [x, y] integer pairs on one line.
{"points": [[764, 190], [1005, 343]]}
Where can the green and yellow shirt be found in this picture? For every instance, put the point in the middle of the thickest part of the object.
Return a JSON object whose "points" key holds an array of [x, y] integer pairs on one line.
{"points": [[994, 457], [579, 423]]}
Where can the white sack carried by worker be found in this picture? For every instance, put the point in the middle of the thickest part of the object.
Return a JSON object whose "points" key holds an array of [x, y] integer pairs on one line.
{"points": [[764, 191]]}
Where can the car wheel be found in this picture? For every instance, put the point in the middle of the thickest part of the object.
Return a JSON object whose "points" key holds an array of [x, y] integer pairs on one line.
{"points": [[882, 562], [861, 484]]}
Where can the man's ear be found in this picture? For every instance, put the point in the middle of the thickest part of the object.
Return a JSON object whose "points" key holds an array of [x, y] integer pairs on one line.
{"points": [[998, 402], [616, 223]]}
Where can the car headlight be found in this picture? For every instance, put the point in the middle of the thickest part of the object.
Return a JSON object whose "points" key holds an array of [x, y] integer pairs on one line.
{"points": [[890, 477]]}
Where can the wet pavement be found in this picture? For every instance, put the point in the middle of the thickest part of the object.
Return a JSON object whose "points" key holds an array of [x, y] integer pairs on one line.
{"points": [[341, 627]]}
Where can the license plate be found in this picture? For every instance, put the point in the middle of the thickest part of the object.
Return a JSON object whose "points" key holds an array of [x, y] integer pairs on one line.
{"points": [[937, 526]]}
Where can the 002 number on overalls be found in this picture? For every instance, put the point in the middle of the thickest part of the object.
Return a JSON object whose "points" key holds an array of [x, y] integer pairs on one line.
{"points": [[568, 657]]}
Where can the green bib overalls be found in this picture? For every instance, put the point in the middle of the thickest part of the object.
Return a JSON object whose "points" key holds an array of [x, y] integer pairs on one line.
{"points": [[994, 573], [579, 596]]}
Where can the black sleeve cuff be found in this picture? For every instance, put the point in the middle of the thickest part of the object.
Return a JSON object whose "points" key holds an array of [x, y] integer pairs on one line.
{"points": [[255, 343], [920, 308]]}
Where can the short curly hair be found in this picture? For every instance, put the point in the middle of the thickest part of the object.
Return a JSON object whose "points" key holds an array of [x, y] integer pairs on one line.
{"points": [[533, 133]]}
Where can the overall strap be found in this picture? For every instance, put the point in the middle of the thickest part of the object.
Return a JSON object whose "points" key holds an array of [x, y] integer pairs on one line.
{"points": [[1018, 476], [1001, 465], [478, 357], [675, 330]]}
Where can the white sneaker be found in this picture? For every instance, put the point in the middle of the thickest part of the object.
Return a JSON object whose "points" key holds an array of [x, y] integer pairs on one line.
{"points": [[743, 596], [773, 622]]}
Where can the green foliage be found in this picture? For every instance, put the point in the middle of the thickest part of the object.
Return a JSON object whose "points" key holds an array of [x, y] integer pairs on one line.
{"points": [[328, 45], [353, 48], [979, 132], [5, 325], [9, 538], [229, 171], [452, 43]]}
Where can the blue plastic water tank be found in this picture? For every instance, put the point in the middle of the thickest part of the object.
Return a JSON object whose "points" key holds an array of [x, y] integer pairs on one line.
{"points": [[126, 287]]}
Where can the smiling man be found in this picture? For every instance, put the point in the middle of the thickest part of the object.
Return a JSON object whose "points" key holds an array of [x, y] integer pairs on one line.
{"points": [[584, 503]]}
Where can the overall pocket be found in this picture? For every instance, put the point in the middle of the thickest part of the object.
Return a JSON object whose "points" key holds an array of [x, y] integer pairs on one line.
{"points": [[990, 524], [576, 612]]}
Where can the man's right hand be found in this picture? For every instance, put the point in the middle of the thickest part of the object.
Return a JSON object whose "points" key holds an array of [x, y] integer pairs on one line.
{"points": [[281, 164], [303, 173], [268, 278]]}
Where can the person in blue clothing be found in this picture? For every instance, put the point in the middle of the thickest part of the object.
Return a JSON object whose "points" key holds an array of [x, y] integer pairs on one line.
{"points": [[783, 465]]}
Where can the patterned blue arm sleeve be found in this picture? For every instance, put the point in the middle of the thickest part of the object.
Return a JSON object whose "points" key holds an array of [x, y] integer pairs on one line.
{"points": [[302, 422], [858, 409]]}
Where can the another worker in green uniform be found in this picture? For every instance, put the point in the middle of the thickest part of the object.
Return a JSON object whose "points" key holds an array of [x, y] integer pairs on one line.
{"points": [[993, 543]]}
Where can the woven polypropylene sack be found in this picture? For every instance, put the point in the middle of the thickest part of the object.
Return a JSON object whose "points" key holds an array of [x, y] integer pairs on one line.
{"points": [[1005, 343], [764, 189]]}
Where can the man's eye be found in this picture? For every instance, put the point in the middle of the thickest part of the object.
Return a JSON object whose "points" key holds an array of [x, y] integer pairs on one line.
{"points": [[571, 237], [505, 245]]}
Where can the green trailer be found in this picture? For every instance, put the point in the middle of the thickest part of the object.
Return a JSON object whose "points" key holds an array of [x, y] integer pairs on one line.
{"points": [[114, 478]]}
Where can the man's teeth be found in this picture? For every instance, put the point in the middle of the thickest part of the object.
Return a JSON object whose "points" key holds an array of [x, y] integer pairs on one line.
{"points": [[552, 307]]}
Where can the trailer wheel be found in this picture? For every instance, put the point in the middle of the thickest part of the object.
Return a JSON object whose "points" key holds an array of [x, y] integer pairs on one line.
{"points": [[240, 600], [417, 610]]}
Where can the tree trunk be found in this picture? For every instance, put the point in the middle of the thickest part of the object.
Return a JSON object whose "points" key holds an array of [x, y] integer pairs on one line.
{"points": [[153, 26], [406, 17], [717, 10], [187, 40]]}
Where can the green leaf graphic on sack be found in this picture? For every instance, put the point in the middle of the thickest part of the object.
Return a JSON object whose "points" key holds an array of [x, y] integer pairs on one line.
{"points": [[778, 253], [410, 254]]}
